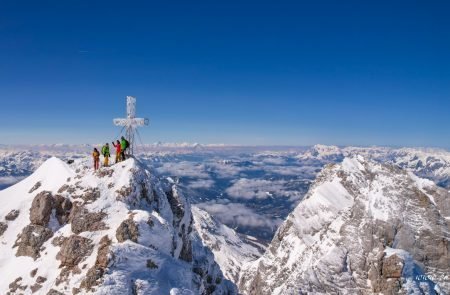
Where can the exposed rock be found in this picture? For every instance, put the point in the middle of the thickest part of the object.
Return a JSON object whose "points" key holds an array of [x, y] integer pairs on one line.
{"points": [[127, 230], [67, 188], [95, 273], [14, 286], [74, 250], [150, 222], [41, 280], [3, 228], [392, 267], [57, 241], [82, 220], [34, 288], [62, 207], [151, 264], [41, 208], [35, 187], [123, 193], [350, 232], [91, 194], [31, 239], [12, 215], [63, 188], [33, 272], [178, 209], [54, 292], [104, 172]]}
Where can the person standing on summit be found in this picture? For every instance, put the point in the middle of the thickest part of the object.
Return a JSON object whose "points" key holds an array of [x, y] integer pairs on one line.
{"points": [[96, 156], [106, 154], [124, 145], [118, 151]]}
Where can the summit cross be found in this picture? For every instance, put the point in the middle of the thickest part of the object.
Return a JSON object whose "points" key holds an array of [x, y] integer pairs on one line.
{"points": [[130, 123]]}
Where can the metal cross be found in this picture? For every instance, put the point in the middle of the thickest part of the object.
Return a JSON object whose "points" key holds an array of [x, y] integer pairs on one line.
{"points": [[130, 123]]}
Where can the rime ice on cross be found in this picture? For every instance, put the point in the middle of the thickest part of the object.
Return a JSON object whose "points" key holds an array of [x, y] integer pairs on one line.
{"points": [[130, 123]]}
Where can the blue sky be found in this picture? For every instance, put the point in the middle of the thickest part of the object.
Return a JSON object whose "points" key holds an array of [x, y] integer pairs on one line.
{"points": [[241, 72]]}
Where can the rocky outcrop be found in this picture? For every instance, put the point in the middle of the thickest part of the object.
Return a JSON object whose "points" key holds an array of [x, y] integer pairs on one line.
{"points": [[63, 207], [54, 292], [3, 228], [127, 230], [90, 195], [392, 267], [12, 215], [74, 250], [31, 239], [96, 272], [16, 286], [41, 208], [182, 220], [82, 220], [35, 187], [115, 232], [363, 228]]}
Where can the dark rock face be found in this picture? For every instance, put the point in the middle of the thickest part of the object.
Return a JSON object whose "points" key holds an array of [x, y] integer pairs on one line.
{"points": [[41, 208], [74, 250], [151, 264], [62, 206], [35, 187], [178, 210], [82, 220], [104, 172], [387, 212], [127, 230], [392, 267], [34, 288], [96, 272], [31, 239], [16, 285], [40, 280], [11, 216], [91, 194], [54, 292], [3, 228]]}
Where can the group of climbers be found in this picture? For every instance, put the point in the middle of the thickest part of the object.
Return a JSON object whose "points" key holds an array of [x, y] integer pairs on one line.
{"points": [[121, 147]]}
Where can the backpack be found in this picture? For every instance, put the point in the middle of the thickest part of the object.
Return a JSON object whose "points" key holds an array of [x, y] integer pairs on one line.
{"points": [[105, 151], [127, 144]]}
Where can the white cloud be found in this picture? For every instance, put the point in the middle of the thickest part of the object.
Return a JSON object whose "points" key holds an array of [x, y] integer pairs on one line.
{"points": [[235, 214], [226, 170], [304, 171], [184, 169], [201, 183], [10, 180], [259, 189]]}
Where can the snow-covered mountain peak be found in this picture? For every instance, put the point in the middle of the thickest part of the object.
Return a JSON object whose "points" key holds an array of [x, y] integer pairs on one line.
{"points": [[120, 230], [364, 227]]}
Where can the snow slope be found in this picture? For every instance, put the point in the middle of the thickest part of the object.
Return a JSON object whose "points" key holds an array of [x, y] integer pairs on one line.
{"points": [[363, 228], [230, 250], [121, 230]]}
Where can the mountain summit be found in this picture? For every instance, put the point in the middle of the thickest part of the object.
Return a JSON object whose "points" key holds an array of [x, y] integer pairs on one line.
{"points": [[363, 228], [120, 230]]}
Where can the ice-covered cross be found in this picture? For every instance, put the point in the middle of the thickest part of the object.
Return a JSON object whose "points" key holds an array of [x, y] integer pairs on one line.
{"points": [[130, 123]]}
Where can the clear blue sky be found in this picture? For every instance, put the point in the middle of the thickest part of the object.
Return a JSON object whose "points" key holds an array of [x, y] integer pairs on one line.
{"points": [[262, 72]]}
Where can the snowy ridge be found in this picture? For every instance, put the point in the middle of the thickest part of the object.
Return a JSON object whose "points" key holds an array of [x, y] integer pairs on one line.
{"points": [[121, 230], [363, 228], [229, 249]]}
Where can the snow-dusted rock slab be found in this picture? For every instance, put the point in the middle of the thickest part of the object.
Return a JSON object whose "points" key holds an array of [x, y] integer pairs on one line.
{"points": [[120, 230], [363, 228]]}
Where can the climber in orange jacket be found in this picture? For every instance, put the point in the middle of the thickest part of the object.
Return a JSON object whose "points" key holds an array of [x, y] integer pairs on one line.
{"points": [[96, 156]]}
